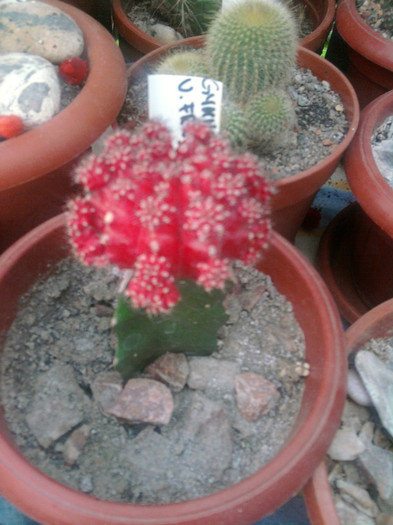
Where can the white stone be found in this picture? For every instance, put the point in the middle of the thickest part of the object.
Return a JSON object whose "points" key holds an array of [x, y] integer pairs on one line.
{"points": [[378, 379], [40, 29], [164, 33], [356, 389], [346, 446], [29, 88]]}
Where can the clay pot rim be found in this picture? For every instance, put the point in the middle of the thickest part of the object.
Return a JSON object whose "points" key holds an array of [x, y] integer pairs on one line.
{"points": [[323, 70], [361, 37], [317, 492], [366, 181], [146, 43], [303, 452], [76, 127]]}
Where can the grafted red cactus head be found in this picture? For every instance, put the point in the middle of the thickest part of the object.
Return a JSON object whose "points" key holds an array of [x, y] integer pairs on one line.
{"points": [[170, 212]]}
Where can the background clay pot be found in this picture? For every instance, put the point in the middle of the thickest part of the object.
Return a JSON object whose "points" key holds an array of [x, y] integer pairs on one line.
{"points": [[295, 193], [244, 503], [370, 68], [317, 493], [35, 166], [320, 12], [355, 255]]}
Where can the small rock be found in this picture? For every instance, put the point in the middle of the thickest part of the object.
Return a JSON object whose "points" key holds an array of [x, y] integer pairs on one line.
{"points": [[349, 515], [357, 497], [378, 463], [172, 369], [164, 33], [39, 29], [346, 446], [255, 395], [56, 404], [106, 388], [384, 519], [75, 443], [211, 373], [378, 380], [86, 484], [356, 389], [144, 401], [29, 88]]}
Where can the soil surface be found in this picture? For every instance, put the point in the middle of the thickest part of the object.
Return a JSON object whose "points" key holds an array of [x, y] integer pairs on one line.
{"points": [[378, 15], [61, 344], [321, 123]]}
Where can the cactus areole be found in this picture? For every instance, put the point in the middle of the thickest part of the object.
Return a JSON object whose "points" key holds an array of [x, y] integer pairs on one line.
{"points": [[169, 214]]}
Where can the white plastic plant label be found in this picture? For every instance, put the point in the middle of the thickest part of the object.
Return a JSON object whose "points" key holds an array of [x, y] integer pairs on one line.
{"points": [[176, 99]]}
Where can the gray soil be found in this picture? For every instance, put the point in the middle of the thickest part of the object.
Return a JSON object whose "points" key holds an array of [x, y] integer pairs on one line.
{"points": [[321, 123], [378, 15], [61, 342]]}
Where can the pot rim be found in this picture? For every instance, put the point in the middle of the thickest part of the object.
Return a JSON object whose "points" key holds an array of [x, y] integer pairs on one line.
{"points": [[71, 131], [361, 37], [146, 43], [304, 450], [366, 181]]}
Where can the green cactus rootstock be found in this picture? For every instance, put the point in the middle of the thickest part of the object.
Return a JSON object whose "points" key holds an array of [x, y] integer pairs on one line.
{"points": [[188, 62], [270, 116], [252, 46], [191, 328], [190, 17]]}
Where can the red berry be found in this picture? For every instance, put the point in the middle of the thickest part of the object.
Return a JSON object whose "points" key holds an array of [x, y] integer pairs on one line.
{"points": [[73, 70], [10, 126]]}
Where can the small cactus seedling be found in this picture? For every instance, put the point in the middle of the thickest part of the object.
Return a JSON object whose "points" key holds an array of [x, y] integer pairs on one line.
{"points": [[270, 116], [252, 46], [188, 62], [189, 17], [175, 218]]}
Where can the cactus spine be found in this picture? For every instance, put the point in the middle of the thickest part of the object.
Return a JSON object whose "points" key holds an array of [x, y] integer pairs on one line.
{"points": [[189, 62], [252, 46], [269, 115]]}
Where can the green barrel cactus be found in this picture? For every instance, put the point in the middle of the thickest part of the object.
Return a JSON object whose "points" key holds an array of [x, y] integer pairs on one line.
{"points": [[270, 115], [183, 62], [252, 46]]}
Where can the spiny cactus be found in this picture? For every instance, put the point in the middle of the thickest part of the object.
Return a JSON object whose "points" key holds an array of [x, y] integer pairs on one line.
{"points": [[251, 46], [188, 62], [189, 17], [169, 214], [270, 115], [235, 125]]}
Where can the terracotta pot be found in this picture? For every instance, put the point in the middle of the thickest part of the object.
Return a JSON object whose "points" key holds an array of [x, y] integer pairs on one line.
{"points": [[355, 255], [317, 493], [295, 193], [35, 166], [370, 54], [320, 12], [244, 503]]}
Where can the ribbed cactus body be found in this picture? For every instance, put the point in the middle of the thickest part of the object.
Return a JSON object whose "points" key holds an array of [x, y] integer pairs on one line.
{"points": [[189, 62], [270, 116], [252, 46], [235, 125]]}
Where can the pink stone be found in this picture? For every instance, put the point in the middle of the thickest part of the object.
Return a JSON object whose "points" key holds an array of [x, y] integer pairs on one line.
{"points": [[172, 369], [144, 401], [75, 444], [255, 395]]}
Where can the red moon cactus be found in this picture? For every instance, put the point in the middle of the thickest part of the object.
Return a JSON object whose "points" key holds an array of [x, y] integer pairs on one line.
{"points": [[169, 212]]}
